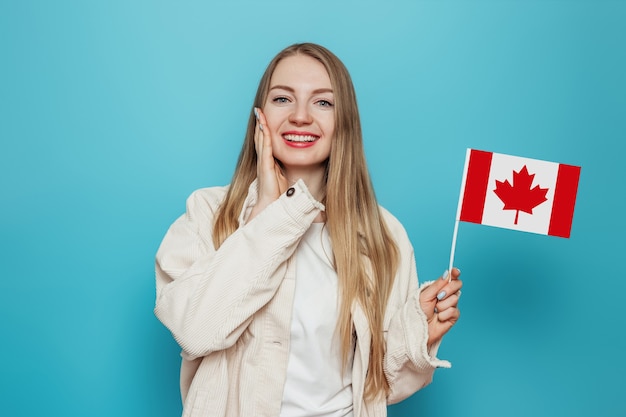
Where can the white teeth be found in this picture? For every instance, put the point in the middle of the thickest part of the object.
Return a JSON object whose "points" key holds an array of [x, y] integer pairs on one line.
{"points": [[300, 138]]}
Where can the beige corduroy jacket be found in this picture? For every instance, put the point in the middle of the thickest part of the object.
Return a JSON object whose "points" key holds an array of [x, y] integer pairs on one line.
{"points": [[230, 309]]}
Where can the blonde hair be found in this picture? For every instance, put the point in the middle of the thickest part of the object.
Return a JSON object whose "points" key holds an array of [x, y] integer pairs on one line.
{"points": [[355, 224]]}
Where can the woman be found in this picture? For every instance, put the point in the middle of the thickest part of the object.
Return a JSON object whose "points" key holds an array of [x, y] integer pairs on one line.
{"points": [[291, 292]]}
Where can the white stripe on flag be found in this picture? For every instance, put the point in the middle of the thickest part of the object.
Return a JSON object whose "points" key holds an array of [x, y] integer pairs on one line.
{"points": [[503, 169]]}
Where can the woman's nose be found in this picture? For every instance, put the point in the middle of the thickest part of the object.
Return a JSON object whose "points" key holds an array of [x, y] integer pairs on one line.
{"points": [[300, 115]]}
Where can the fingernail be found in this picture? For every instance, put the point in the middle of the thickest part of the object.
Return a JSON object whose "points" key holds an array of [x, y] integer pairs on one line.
{"points": [[445, 274], [458, 269], [441, 295], [256, 113], [261, 127]]}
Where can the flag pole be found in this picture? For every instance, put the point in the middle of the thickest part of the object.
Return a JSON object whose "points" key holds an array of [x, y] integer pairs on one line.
{"points": [[454, 234], [458, 214]]}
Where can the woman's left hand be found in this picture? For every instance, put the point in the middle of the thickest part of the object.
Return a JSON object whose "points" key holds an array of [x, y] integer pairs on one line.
{"points": [[439, 301]]}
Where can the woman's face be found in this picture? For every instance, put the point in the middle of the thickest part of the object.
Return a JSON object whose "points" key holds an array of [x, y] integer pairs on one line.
{"points": [[300, 114]]}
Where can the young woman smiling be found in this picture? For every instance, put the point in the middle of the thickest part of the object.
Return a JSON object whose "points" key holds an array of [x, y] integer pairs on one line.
{"points": [[291, 291]]}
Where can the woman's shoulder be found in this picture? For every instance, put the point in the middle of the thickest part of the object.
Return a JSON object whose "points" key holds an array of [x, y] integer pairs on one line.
{"points": [[390, 220], [210, 194], [208, 198], [394, 225]]}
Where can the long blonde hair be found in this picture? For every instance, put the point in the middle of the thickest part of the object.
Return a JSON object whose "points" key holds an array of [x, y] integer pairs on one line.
{"points": [[366, 256]]}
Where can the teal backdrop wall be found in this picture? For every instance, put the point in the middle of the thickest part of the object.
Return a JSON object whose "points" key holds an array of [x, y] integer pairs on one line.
{"points": [[112, 112]]}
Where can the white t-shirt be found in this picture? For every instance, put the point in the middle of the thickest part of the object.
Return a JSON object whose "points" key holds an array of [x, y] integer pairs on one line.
{"points": [[317, 385]]}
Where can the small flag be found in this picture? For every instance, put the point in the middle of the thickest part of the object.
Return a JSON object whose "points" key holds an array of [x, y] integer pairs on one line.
{"points": [[517, 193]]}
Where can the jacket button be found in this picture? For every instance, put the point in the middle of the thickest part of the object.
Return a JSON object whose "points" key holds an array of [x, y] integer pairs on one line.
{"points": [[290, 191]]}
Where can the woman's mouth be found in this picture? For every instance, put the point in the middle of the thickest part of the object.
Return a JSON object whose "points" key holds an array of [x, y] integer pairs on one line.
{"points": [[300, 138]]}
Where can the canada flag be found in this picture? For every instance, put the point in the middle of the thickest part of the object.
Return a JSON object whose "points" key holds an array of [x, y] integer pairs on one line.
{"points": [[517, 193]]}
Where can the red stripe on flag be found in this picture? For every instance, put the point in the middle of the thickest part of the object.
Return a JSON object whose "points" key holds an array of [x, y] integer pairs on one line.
{"points": [[564, 200], [476, 181]]}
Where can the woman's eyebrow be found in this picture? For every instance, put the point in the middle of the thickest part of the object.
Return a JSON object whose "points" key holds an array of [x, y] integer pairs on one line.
{"points": [[291, 90]]}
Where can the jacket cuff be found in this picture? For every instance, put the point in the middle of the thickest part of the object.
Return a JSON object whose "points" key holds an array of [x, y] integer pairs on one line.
{"points": [[297, 200]]}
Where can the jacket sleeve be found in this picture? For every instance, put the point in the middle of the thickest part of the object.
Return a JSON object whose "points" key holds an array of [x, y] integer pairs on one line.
{"points": [[207, 297], [409, 364]]}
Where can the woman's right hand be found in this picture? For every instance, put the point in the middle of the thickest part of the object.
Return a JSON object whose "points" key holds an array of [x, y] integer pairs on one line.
{"points": [[271, 180]]}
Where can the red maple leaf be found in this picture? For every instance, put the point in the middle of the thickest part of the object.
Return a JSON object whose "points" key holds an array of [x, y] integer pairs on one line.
{"points": [[520, 196]]}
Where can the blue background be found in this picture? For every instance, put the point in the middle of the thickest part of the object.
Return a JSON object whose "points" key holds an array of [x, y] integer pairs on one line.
{"points": [[112, 112]]}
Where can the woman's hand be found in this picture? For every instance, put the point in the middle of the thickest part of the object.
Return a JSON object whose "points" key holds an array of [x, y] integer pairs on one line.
{"points": [[439, 301], [272, 182]]}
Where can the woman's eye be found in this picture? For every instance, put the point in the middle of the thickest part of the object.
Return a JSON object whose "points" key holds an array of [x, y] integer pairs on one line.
{"points": [[280, 100], [325, 103]]}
